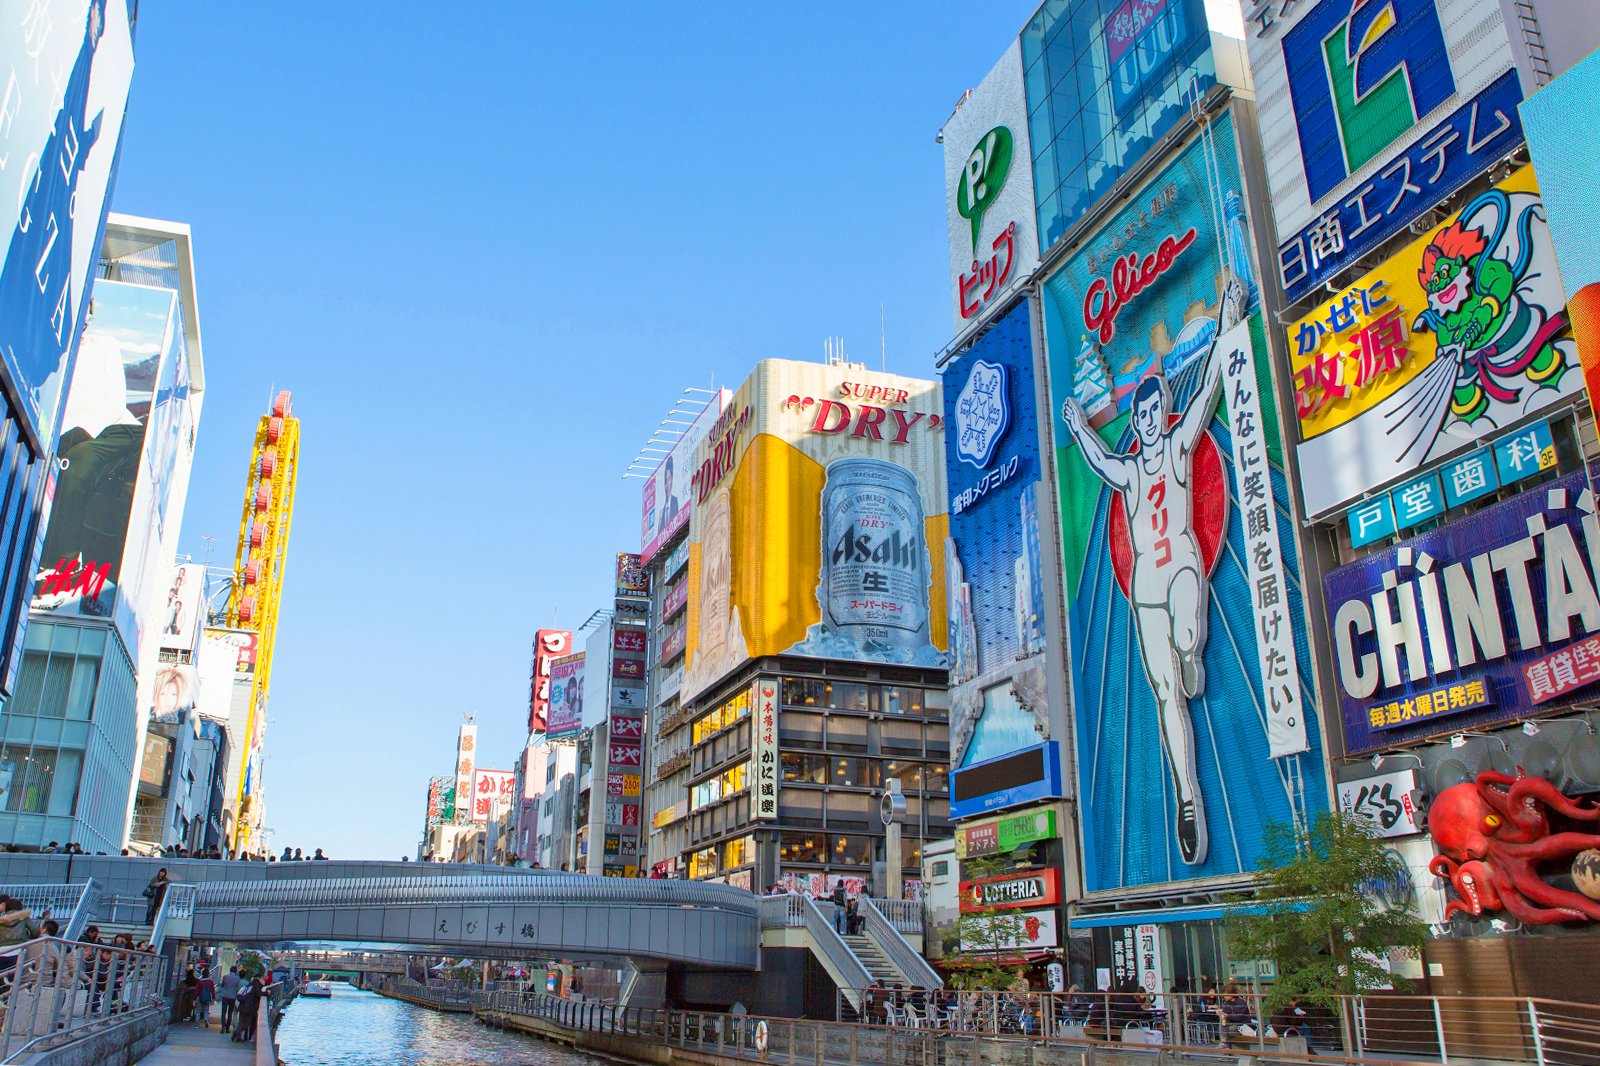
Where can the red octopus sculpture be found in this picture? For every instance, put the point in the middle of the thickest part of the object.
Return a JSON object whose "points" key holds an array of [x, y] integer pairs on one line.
{"points": [[1492, 832]]}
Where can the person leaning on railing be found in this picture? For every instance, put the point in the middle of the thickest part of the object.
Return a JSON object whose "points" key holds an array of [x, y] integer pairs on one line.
{"points": [[17, 927]]}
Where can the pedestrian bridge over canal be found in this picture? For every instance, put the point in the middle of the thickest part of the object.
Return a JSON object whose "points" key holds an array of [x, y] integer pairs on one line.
{"points": [[458, 909]]}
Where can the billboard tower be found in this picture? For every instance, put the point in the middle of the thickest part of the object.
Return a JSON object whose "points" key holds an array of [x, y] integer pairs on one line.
{"points": [[258, 579]]}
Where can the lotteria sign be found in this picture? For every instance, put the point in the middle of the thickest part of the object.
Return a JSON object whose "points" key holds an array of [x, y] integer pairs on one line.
{"points": [[1038, 888], [1468, 624], [1005, 834]]}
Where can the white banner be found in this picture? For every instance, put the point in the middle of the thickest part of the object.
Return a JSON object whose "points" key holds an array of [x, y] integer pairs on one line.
{"points": [[1280, 674], [766, 748], [1385, 800]]}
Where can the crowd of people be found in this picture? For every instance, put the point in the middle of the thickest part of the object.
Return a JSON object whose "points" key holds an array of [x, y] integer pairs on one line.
{"points": [[239, 1000], [172, 851], [1218, 1016]]}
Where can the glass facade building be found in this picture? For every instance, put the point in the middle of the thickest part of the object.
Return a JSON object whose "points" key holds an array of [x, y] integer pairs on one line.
{"points": [[73, 734], [1105, 80]]}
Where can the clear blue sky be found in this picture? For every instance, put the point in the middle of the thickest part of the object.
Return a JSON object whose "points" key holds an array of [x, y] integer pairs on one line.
{"points": [[486, 248]]}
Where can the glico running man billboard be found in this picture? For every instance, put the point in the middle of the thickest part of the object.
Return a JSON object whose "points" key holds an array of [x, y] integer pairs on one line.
{"points": [[1193, 698], [1461, 333], [993, 570], [819, 522]]}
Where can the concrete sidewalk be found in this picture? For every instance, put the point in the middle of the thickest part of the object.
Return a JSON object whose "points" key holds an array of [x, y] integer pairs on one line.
{"points": [[188, 1046]]}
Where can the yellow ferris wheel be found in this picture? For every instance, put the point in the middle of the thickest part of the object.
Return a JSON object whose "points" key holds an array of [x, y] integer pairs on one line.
{"points": [[258, 587]]}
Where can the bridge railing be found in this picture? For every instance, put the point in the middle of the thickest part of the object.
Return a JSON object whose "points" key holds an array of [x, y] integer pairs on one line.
{"points": [[70, 905], [904, 914], [783, 912], [53, 990], [471, 888], [1554, 1034]]}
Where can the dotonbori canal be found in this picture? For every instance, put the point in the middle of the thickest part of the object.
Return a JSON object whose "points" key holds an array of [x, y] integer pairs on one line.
{"points": [[356, 1028]]}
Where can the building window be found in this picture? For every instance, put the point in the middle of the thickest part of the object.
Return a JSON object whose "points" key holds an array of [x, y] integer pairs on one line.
{"points": [[803, 847], [805, 768], [716, 789], [703, 863], [855, 773], [734, 709], [27, 779], [901, 700], [740, 851], [852, 850]]}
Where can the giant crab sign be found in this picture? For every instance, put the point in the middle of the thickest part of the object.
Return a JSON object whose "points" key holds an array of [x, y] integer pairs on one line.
{"points": [[1494, 832]]}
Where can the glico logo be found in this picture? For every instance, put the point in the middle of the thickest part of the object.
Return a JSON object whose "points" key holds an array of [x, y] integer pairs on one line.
{"points": [[1361, 73], [983, 177]]}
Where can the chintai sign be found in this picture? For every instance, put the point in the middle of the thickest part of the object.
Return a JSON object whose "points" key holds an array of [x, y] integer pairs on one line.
{"points": [[1479, 621]]}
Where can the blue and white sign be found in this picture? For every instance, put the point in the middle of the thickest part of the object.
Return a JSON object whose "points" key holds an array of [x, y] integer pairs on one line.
{"points": [[993, 569], [1011, 780], [1432, 635], [1417, 501], [1347, 95], [1373, 520], [65, 66], [1525, 453], [982, 414], [1468, 478]]}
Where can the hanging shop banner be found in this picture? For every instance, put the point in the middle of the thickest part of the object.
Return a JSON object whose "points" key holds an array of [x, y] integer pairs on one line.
{"points": [[466, 763], [1564, 140], [1371, 114], [765, 755], [1386, 801], [1182, 581], [1470, 624], [988, 187], [633, 580], [993, 570], [1463, 332], [996, 835], [491, 793], [666, 490], [819, 523], [66, 65], [548, 646], [181, 617], [565, 716]]}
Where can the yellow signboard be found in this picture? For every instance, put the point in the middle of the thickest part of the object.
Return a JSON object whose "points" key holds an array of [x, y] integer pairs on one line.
{"points": [[1458, 335], [1380, 333], [819, 522]]}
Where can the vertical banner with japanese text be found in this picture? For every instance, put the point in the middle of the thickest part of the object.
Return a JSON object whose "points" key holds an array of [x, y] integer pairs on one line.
{"points": [[766, 749], [1280, 673]]}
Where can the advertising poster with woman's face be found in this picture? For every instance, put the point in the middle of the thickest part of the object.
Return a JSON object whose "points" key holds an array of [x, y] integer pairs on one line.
{"points": [[173, 693], [98, 460]]}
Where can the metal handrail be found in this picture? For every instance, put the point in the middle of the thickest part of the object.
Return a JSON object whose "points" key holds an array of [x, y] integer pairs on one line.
{"points": [[887, 939], [63, 902], [177, 905], [58, 988], [904, 914], [856, 1044], [832, 947], [783, 912], [89, 903]]}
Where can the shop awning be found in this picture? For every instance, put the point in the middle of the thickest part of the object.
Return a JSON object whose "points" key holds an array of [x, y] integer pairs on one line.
{"points": [[1154, 915], [1157, 915]]}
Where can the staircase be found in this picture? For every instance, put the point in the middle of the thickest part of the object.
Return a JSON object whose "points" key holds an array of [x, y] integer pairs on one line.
{"points": [[876, 962]]}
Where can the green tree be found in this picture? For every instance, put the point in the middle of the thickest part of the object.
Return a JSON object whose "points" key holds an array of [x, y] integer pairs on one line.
{"points": [[986, 936], [251, 964], [1318, 913]]}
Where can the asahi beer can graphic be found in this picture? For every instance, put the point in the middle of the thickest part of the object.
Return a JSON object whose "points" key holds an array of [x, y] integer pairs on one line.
{"points": [[874, 587]]}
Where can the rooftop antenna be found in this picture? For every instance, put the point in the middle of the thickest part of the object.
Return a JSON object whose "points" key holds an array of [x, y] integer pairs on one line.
{"points": [[883, 341]]}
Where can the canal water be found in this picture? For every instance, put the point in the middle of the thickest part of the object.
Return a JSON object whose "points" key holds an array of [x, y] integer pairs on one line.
{"points": [[357, 1028]]}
